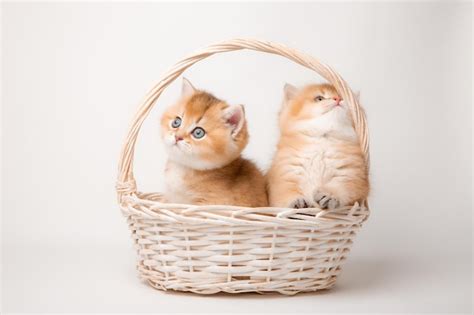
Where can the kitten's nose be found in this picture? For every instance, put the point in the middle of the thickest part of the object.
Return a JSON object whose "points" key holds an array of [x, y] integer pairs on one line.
{"points": [[178, 138], [337, 99]]}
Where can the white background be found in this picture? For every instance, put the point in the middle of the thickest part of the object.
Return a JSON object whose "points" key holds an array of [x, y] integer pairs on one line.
{"points": [[73, 75]]}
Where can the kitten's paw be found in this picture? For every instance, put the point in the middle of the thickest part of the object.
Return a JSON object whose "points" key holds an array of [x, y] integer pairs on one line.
{"points": [[325, 201], [299, 203]]}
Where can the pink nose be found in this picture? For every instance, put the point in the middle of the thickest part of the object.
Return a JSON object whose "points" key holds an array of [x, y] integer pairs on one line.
{"points": [[177, 138], [337, 99]]}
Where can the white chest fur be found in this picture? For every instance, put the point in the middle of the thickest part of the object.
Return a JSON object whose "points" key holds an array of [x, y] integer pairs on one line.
{"points": [[319, 163], [314, 160], [176, 189]]}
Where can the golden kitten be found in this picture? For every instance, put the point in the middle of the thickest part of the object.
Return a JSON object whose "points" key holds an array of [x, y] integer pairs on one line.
{"points": [[318, 161], [204, 137]]}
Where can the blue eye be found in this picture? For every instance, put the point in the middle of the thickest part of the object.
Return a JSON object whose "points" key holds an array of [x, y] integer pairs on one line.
{"points": [[198, 133], [318, 98], [176, 122]]}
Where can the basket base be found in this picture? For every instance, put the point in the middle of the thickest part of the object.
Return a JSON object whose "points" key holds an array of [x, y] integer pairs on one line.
{"points": [[247, 286]]}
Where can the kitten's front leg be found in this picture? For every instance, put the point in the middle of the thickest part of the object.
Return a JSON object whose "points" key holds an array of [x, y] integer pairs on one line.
{"points": [[287, 197], [285, 190], [326, 200], [299, 203]]}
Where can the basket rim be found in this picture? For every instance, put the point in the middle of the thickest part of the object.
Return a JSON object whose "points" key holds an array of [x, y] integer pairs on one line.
{"points": [[148, 206]]}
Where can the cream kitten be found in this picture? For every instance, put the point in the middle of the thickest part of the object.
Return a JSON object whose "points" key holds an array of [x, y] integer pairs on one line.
{"points": [[204, 137], [318, 161]]}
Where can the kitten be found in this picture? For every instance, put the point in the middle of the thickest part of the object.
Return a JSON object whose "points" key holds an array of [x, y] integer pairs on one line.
{"points": [[204, 138], [318, 161]]}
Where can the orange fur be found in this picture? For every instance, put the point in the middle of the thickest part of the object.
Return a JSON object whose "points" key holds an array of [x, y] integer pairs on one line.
{"points": [[318, 159], [209, 170]]}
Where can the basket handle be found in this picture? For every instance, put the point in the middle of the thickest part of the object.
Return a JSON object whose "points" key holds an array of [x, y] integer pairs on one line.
{"points": [[126, 183]]}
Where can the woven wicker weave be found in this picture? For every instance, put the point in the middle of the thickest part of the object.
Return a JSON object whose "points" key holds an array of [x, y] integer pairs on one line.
{"points": [[210, 249]]}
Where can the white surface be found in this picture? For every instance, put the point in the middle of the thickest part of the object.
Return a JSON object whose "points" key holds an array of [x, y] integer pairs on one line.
{"points": [[72, 76]]}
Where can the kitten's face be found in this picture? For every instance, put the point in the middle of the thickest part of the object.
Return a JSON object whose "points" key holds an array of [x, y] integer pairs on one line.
{"points": [[315, 104], [203, 132]]}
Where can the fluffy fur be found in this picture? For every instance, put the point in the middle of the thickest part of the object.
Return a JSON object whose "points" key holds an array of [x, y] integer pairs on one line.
{"points": [[318, 160], [209, 170]]}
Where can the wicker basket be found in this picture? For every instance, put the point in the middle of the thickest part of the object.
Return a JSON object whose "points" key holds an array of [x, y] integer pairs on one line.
{"points": [[210, 249]]}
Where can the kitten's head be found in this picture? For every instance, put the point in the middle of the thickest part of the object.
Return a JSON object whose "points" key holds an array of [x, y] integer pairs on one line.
{"points": [[316, 106], [203, 132]]}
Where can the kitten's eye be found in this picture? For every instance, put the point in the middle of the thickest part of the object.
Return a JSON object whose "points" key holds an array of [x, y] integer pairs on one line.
{"points": [[176, 122], [318, 98], [198, 133]]}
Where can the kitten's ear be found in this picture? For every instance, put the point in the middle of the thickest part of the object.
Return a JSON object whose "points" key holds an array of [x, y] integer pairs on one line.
{"points": [[187, 88], [234, 116], [290, 92]]}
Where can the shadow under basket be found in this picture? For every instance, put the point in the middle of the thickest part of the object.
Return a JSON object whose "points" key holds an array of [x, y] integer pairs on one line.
{"points": [[211, 249]]}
